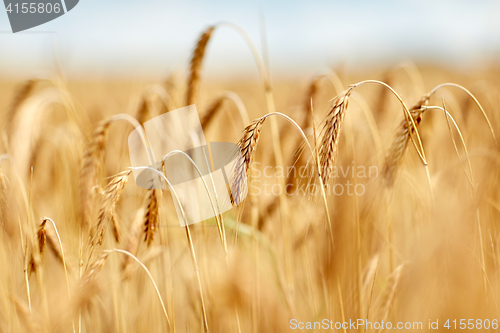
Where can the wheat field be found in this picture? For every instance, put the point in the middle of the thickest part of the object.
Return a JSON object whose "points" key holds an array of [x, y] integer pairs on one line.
{"points": [[373, 195]]}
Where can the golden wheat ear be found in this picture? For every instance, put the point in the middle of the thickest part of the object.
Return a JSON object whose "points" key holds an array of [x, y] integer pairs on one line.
{"points": [[42, 238], [108, 204], [247, 145], [400, 144], [151, 217], [196, 64], [329, 141], [91, 167]]}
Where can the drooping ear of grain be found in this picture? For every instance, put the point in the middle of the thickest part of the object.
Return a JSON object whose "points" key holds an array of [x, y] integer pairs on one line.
{"points": [[399, 147], [247, 145], [91, 169], [22, 93], [212, 111], [330, 136], [107, 206], [142, 111], [42, 237], [151, 217], [196, 65]]}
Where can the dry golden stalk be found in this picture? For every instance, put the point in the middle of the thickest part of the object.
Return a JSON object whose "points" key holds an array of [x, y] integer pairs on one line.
{"points": [[399, 147], [107, 207], [212, 110], [91, 168], [383, 96], [151, 217], [330, 135], [196, 63], [24, 315], [42, 237], [3, 197], [311, 94], [247, 145]]}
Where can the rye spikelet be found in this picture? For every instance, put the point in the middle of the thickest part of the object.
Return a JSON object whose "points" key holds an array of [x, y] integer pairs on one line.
{"points": [[247, 145], [399, 147], [151, 218], [91, 168], [42, 237], [330, 135], [196, 64], [107, 206]]}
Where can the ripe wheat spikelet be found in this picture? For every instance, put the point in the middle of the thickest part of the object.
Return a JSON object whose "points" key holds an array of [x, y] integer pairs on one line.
{"points": [[107, 206], [42, 237], [399, 147], [330, 135], [247, 145], [151, 217], [196, 63], [91, 168], [94, 268]]}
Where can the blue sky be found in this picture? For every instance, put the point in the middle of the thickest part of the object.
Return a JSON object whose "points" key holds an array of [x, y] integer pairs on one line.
{"points": [[150, 38]]}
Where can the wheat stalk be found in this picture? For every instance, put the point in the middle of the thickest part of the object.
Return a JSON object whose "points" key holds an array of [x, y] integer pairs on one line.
{"points": [[196, 64], [3, 197]]}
